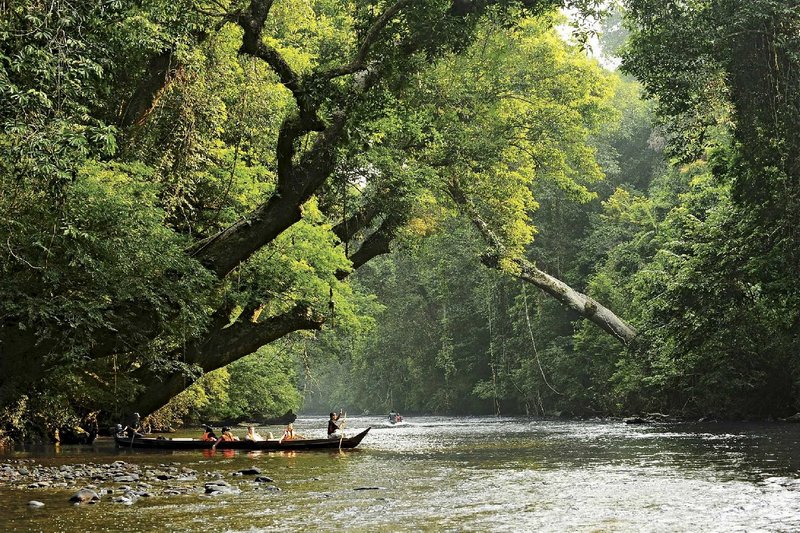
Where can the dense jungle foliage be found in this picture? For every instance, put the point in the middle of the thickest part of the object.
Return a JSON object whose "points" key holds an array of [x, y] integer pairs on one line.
{"points": [[199, 198]]}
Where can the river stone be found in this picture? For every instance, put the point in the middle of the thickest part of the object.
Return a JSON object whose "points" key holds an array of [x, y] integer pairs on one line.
{"points": [[34, 504], [635, 420], [367, 488], [252, 471], [263, 479], [23, 471], [123, 500], [84, 495], [125, 479], [220, 487]]}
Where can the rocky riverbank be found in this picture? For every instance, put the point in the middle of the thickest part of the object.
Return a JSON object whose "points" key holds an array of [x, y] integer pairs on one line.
{"points": [[126, 483]]}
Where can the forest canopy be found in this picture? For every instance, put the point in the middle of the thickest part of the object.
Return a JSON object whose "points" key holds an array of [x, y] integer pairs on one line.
{"points": [[216, 185]]}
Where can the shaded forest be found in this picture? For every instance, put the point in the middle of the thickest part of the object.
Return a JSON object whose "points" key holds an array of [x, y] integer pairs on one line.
{"points": [[227, 209]]}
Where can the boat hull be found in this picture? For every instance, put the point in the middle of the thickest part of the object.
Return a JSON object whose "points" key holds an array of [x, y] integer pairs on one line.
{"points": [[268, 445]]}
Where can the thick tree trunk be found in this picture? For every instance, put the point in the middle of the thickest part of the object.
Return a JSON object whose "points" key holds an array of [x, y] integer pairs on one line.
{"points": [[160, 70], [226, 343], [220, 348]]}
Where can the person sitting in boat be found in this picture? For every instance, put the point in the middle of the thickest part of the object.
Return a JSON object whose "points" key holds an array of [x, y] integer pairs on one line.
{"points": [[290, 434], [208, 433], [252, 435], [335, 425], [227, 436]]}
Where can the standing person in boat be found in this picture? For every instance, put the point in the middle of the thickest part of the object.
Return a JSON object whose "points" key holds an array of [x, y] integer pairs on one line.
{"points": [[252, 435], [335, 425], [133, 426]]}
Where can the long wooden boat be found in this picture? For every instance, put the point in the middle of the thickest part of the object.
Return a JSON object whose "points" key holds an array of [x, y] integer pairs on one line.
{"points": [[268, 445]]}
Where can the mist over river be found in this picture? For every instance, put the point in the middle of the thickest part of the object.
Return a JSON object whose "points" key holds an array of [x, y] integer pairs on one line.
{"points": [[439, 474]]}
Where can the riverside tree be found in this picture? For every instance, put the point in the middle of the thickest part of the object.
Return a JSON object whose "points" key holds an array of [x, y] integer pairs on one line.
{"points": [[185, 182]]}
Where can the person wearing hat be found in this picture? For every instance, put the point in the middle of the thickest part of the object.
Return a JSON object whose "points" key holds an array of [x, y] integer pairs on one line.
{"points": [[227, 435]]}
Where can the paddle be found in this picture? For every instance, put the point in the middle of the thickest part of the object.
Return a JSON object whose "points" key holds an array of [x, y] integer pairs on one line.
{"points": [[341, 429]]}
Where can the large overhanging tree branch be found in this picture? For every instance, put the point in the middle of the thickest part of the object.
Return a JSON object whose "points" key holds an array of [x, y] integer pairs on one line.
{"points": [[222, 346], [358, 63], [223, 252], [585, 306], [297, 181], [225, 343]]}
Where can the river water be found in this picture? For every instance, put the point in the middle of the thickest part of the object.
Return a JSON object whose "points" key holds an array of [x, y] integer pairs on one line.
{"points": [[458, 474]]}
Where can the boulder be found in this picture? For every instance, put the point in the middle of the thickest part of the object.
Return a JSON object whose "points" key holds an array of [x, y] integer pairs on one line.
{"points": [[85, 495]]}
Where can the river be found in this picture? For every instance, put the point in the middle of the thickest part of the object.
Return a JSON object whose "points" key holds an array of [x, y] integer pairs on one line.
{"points": [[454, 474]]}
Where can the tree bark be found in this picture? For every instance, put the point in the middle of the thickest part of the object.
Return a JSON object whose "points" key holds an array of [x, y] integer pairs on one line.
{"points": [[160, 70], [220, 348], [580, 303]]}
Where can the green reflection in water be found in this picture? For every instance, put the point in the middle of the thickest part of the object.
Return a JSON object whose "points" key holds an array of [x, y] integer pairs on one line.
{"points": [[440, 474]]}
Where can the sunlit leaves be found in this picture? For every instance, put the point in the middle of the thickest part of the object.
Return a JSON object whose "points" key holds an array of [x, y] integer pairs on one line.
{"points": [[512, 110]]}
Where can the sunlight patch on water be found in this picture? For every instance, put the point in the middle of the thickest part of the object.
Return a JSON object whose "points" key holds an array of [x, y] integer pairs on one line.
{"points": [[467, 474]]}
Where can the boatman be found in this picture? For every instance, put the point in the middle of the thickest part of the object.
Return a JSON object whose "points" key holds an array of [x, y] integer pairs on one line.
{"points": [[335, 426], [134, 424]]}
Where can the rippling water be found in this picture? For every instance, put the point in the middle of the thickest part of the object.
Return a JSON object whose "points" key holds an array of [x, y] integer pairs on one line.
{"points": [[463, 474]]}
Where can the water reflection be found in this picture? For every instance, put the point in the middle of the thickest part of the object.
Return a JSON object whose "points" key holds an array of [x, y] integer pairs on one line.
{"points": [[487, 474]]}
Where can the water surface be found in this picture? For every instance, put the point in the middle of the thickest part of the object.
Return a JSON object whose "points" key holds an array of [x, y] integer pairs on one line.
{"points": [[459, 474]]}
